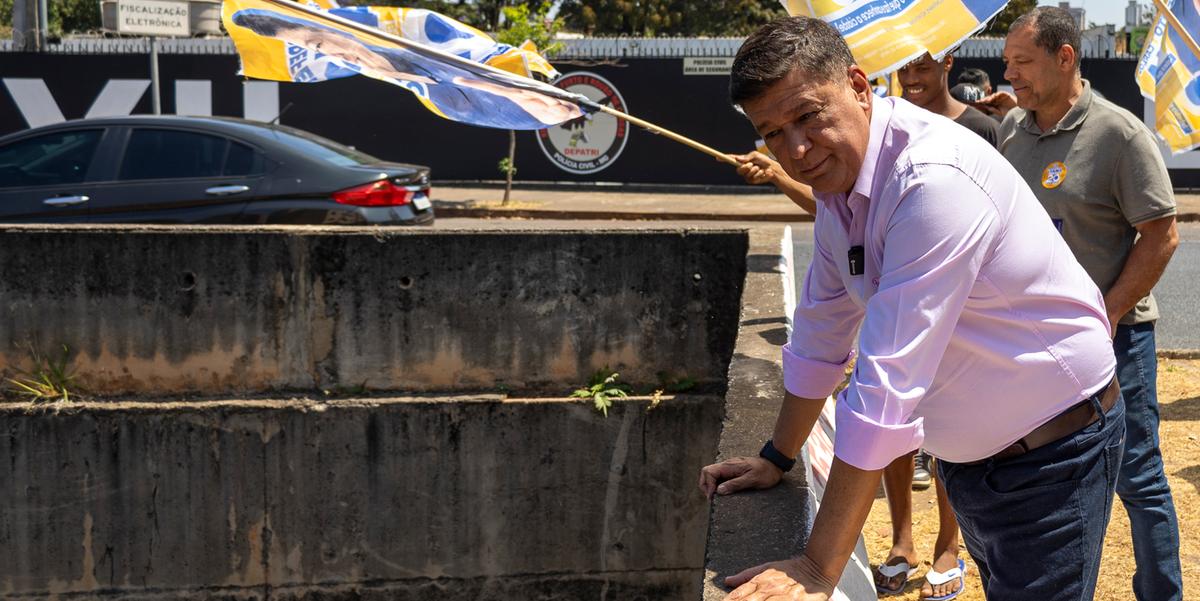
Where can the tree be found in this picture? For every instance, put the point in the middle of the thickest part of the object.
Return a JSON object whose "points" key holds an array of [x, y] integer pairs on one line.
{"points": [[521, 24], [1004, 20], [669, 17], [74, 16], [483, 14]]}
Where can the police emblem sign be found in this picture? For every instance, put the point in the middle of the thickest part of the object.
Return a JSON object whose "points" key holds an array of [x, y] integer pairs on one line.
{"points": [[593, 142]]}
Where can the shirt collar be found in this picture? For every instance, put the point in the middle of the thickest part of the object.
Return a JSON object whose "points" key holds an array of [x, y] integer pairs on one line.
{"points": [[1074, 117], [881, 115]]}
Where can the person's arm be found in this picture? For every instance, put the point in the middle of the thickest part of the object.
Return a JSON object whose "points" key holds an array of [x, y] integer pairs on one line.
{"points": [[814, 364], [1147, 260], [1143, 189], [758, 168], [792, 426], [999, 104], [815, 573]]}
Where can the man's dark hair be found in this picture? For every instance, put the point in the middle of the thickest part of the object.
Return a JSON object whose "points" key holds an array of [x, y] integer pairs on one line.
{"points": [[787, 43], [1053, 27], [974, 76]]}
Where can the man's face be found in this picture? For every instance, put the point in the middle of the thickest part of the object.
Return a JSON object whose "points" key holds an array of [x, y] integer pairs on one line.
{"points": [[1038, 77], [923, 80], [817, 129]]}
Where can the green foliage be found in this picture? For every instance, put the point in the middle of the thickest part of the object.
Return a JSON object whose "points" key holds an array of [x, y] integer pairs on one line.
{"points": [[48, 380], [483, 14], [506, 167], [1137, 39], [1003, 21], [602, 389], [522, 23], [670, 17]]}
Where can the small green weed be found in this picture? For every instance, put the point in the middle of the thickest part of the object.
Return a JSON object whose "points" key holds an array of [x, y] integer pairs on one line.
{"points": [[49, 380], [602, 389]]}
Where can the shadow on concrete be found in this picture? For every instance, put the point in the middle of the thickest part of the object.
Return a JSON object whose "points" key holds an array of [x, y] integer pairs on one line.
{"points": [[762, 263]]}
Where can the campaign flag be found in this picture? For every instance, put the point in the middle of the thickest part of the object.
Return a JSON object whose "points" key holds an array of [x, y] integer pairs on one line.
{"points": [[285, 41], [1168, 74], [885, 35], [439, 31]]}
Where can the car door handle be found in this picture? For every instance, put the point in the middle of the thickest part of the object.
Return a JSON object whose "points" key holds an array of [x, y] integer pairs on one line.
{"points": [[65, 201], [226, 190]]}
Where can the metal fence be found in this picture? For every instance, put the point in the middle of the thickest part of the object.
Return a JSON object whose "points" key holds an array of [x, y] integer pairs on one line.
{"points": [[598, 48]]}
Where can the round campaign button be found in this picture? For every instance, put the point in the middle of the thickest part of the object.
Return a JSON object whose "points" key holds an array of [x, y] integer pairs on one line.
{"points": [[592, 142], [1053, 175]]}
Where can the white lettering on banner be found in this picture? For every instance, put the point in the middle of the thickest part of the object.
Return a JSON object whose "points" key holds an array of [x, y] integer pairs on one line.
{"points": [[120, 96], [153, 17], [716, 65]]}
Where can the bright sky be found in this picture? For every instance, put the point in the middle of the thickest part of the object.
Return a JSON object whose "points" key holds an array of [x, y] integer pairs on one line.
{"points": [[1100, 12]]}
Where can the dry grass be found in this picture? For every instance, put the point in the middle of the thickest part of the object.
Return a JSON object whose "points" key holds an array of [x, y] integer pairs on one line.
{"points": [[1179, 401]]}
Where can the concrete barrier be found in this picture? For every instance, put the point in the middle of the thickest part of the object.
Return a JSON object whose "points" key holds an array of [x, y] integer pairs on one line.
{"points": [[154, 311], [456, 493]]}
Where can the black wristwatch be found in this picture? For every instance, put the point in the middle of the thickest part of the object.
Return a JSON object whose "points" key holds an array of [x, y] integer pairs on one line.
{"points": [[772, 454]]}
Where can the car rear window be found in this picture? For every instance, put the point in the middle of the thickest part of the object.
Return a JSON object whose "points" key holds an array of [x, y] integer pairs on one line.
{"points": [[320, 148], [170, 154], [53, 159], [242, 160]]}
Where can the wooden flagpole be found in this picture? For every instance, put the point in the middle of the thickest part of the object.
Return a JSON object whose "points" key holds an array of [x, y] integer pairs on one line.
{"points": [[1174, 21], [654, 129]]}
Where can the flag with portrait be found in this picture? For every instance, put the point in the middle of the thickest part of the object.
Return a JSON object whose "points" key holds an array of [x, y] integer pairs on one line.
{"points": [[885, 35], [442, 64]]}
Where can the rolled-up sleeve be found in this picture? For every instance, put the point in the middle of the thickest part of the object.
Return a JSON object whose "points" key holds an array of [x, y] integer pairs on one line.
{"points": [[824, 325], [936, 241]]}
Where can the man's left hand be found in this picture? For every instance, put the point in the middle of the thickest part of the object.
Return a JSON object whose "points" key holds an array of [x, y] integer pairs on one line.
{"points": [[791, 580]]}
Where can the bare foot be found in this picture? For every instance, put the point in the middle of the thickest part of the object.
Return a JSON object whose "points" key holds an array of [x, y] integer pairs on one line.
{"points": [[895, 557], [944, 562]]}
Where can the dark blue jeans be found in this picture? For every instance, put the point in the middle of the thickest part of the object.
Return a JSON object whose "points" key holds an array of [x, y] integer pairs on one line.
{"points": [[1034, 523], [1142, 485]]}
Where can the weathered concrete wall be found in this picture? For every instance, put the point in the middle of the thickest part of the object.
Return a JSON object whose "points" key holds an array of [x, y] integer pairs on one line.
{"points": [[441, 496], [219, 310], [429, 498]]}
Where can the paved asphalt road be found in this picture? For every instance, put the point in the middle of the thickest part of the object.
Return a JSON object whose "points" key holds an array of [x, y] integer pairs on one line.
{"points": [[1177, 292]]}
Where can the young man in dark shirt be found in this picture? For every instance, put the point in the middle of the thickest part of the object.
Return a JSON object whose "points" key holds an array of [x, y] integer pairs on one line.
{"points": [[926, 83]]}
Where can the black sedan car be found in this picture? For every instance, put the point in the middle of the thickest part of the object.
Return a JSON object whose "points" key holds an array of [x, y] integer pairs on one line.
{"points": [[168, 169]]}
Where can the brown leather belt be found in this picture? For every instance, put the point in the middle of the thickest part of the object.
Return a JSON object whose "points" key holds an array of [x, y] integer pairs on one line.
{"points": [[1062, 425]]}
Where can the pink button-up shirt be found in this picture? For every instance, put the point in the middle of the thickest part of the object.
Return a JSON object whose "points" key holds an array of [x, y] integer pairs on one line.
{"points": [[977, 323]]}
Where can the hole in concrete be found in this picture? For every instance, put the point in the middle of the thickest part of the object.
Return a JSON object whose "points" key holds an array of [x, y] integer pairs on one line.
{"points": [[406, 282], [187, 281]]}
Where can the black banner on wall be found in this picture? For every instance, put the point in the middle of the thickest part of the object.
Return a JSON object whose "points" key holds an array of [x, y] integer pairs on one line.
{"points": [[388, 122]]}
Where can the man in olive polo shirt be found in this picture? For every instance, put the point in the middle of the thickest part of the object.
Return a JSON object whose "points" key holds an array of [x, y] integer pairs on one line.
{"points": [[1097, 170]]}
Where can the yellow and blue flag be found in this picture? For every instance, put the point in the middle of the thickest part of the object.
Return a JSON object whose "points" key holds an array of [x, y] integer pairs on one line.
{"points": [[885, 35], [1169, 74], [439, 31], [285, 41]]}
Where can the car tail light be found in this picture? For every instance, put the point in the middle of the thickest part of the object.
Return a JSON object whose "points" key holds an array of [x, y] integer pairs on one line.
{"points": [[382, 193]]}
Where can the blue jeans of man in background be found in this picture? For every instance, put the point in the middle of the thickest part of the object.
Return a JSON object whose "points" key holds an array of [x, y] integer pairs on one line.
{"points": [[1142, 485], [1035, 523]]}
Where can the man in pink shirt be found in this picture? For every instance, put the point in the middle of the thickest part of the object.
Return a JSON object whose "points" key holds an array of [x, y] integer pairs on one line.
{"points": [[980, 337]]}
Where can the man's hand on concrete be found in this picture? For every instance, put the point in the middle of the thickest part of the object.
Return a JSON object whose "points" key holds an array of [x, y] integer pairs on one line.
{"points": [[998, 103], [739, 473], [791, 580], [757, 168]]}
